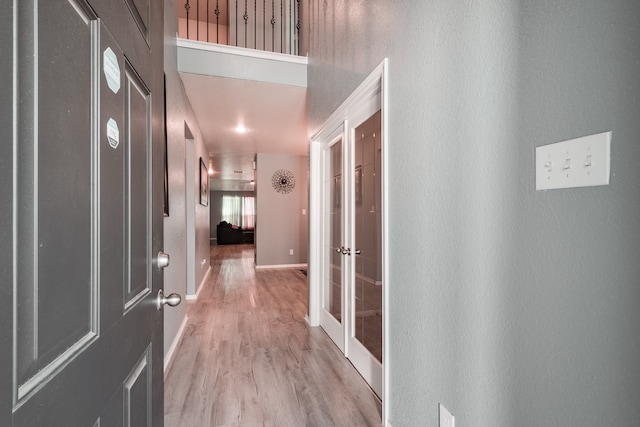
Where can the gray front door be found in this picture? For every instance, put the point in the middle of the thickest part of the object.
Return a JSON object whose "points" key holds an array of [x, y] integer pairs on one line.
{"points": [[81, 184]]}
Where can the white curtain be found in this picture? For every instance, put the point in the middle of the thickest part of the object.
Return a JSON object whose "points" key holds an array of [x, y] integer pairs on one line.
{"points": [[248, 213], [239, 210]]}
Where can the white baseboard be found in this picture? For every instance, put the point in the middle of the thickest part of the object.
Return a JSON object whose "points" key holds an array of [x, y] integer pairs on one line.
{"points": [[168, 358], [264, 267], [190, 297]]}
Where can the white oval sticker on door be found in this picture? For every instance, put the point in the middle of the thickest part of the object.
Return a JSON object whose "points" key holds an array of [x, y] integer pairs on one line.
{"points": [[111, 70], [113, 134]]}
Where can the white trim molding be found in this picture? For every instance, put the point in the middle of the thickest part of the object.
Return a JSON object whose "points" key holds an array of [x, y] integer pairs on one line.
{"points": [[375, 85], [191, 297], [168, 358], [275, 266], [210, 59]]}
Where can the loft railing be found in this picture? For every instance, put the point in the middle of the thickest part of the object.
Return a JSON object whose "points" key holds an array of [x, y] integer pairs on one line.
{"points": [[270, 25]]}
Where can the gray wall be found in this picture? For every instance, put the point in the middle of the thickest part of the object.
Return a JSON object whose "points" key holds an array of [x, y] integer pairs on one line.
{"points": [[511, 307], [281, 224], [179, 114], [215, 207]]}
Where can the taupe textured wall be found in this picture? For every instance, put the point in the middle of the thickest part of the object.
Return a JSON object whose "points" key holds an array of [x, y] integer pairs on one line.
{"points": [[511, 307], [280, 224]]}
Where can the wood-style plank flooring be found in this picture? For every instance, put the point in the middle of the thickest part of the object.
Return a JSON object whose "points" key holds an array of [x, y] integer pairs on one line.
{"points": [[248, 357]]}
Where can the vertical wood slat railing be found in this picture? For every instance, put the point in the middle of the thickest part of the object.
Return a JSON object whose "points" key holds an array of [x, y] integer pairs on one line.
{"points": [[238, 23]]}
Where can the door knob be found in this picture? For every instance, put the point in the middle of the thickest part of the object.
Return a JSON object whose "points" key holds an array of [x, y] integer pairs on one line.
{"points": [[358, 251], [339, 250], [163, 259], [171, 300]]}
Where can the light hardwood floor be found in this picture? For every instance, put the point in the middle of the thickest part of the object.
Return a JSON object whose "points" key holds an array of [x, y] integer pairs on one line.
{"points": [[248, 357]]}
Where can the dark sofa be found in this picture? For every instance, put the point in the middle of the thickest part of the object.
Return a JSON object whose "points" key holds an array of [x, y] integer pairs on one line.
{"points": [[228, 234]]}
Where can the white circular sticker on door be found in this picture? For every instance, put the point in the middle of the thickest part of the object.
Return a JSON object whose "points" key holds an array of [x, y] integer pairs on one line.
{"points": [[113, 134], [111, 69]]}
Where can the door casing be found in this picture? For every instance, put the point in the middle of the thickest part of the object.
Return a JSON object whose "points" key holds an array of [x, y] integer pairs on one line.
{"points": [[376, 84]]}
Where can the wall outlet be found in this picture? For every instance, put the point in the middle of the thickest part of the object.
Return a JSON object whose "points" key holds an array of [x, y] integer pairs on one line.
{"points": [[446, 418], [290, 251]]}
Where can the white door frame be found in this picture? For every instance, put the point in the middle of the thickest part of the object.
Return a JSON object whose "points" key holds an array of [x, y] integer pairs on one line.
{"points": [[376, 82], [333, 327], [190, 213]]}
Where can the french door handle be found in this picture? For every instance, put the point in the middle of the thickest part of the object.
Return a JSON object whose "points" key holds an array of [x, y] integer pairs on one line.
{"points": [[358, 251], [344, 251]]}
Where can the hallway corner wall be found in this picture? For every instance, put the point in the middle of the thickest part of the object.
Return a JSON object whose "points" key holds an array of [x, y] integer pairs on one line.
{"points": [[507, 305], [282, 220], [179, 115]]}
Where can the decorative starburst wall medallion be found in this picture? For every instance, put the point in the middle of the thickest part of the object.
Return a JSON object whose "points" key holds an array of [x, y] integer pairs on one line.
{"points": [[283, 181]]}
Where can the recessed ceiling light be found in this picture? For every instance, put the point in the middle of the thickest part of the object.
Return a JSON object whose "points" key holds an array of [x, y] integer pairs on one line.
{"points": [[241, 129]]}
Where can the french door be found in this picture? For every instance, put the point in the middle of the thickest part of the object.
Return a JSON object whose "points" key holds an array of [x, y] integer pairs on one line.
{"points": [[333, 266], [352, 284]]}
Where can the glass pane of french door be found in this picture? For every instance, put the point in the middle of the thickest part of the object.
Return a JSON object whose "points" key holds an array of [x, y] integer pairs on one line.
{"points": [[367, 305], [332, 295]]}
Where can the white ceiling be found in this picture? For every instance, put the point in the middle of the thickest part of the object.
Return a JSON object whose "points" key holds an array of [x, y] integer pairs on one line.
{"points": [[274, 115]]}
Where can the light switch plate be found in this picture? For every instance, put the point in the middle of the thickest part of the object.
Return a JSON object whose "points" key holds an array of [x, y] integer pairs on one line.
{"points": [[446, 419], [580, 162]]}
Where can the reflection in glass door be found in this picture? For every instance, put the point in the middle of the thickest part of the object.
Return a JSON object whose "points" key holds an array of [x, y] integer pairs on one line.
{"points": [[332, 312], [334, 213], [366, 305], [364, 283]]}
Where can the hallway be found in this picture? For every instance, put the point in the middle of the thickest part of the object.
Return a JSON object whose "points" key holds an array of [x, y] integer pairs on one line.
{"points": [[248, 357]]}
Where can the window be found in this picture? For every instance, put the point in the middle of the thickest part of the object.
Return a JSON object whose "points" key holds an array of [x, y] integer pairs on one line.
{"points": [[239, 210]]}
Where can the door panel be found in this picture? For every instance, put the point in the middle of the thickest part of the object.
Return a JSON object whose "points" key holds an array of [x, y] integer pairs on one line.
{"points": [[332, 311], [138, 393], [367, 315], [333, 302], [86, 218], [56, 246], [364, 337], [140, 12], [352, 284], [138, 143]]}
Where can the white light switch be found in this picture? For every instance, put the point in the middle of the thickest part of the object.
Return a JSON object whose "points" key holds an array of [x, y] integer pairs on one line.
{"points": [[580, 162], [446, 419]]}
